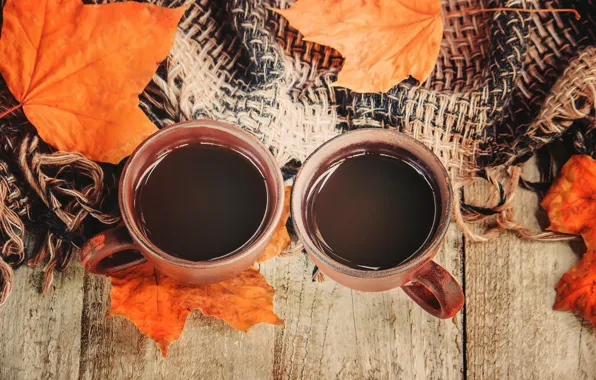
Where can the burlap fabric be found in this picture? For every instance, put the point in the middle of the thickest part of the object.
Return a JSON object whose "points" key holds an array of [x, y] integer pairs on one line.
{"points": [[505, 84]]}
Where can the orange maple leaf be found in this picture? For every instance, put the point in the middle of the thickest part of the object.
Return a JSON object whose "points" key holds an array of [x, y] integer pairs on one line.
{"points": [[281, 238], [159, 305], [383, 42], [576, 290], [571, 207], [571, 200], [78, 70]]}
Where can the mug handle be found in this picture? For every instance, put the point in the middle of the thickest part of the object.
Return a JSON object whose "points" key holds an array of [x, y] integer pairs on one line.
{"points": [[95, 253], [435, 290]]}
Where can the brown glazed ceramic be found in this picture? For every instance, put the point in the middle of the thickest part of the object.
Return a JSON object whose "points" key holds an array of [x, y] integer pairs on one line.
{"points": [[427, 283], [97, 254]]}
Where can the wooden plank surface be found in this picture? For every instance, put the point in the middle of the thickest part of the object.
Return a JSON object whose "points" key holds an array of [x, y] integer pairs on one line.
{"points": [[511, 330], [330, 332], [334, 332]]}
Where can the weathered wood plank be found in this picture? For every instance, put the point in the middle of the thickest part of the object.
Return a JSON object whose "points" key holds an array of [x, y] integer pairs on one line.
{"points": [[330, 332], [426, 347], [512, 331], [334, 332], [112, 348], [40, 336]]}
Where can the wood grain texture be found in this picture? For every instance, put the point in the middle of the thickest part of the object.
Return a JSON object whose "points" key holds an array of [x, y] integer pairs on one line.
{"points": [[334, 332], [112, 348], [511, 330], [39, 336], [330, 332]]}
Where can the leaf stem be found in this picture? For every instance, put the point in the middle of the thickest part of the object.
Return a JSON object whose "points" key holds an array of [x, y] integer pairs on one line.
{"points": [[8, 111], [547, 10]]}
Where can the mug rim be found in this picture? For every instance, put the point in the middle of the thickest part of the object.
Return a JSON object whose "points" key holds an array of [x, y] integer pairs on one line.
{"points": [[412, 263], [146, 246]]}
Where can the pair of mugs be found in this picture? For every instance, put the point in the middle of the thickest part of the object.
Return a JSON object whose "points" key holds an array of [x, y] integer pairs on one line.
{"points": [[427, 283]]}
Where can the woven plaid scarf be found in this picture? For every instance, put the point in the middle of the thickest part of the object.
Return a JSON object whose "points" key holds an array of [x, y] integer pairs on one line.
{"points": [[506, 84]]}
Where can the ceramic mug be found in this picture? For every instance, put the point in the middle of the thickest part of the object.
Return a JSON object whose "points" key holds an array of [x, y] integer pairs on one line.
{"points": [[427, 283], [103, 254]]}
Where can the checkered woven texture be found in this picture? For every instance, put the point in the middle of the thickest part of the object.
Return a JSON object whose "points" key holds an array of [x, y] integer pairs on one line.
{"points": [[505, 85]]}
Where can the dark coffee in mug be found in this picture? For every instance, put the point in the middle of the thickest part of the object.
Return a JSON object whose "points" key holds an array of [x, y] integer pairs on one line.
{"points": [[373, 211], [201, 202]]}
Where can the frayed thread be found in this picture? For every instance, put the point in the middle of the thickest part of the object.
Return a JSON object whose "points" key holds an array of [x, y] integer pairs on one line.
{"points": [[66, 207], [498, 209]]}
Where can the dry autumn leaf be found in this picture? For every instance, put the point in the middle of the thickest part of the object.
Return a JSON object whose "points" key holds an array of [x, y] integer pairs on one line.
{"points": [[571, 206], [383, 42], [78, 70], [158, 305], [571, 200], [576, 290], [281, 238]]}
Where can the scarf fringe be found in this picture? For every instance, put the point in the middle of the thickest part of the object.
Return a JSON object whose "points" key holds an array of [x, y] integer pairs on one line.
{"points": [[498, 210], [62, 209]]}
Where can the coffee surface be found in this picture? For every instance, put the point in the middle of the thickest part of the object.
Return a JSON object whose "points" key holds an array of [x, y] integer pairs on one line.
{"points": [[373, 212], [201, 202]]}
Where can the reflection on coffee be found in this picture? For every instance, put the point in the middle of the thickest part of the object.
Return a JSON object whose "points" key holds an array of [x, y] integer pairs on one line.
{"points": [[373, 211], [201, 202]]}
